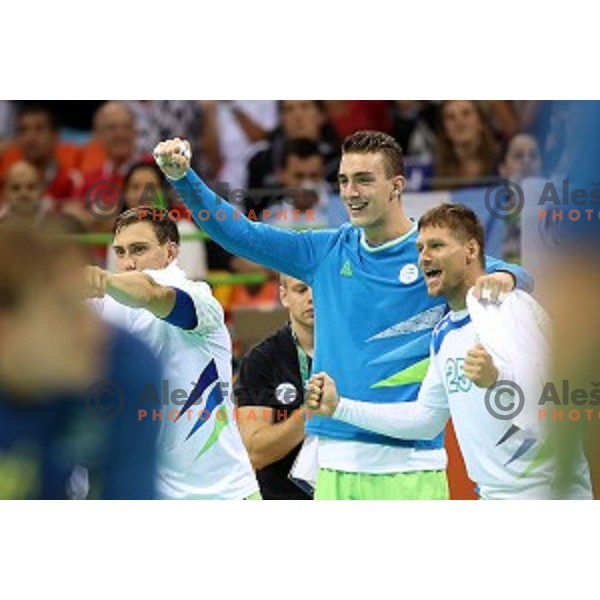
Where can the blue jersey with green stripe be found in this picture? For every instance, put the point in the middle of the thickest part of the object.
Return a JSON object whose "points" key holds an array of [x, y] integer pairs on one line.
{"points": [[374, 318]]}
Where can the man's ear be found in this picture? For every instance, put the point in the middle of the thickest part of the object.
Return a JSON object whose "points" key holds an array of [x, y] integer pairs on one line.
{"points": [[472, 250], [399, 185], [172, 251], [283, 296]]}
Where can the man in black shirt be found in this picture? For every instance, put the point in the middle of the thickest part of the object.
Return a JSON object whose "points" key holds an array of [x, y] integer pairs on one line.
{"points": [[270, 395]]}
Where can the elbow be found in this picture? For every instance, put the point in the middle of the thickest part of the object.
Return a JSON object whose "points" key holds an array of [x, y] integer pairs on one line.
{"points": [[257, 461], [257, 458], [431, 432]]}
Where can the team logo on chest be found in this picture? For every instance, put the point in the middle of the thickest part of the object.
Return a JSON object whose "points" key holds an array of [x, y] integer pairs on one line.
{"points": [[408, 274], [286, 393]]}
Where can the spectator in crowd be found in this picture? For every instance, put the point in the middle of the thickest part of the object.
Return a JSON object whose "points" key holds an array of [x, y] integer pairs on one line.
{"points": [[466, 152], [144, 185], [300, 119], [115, 135], [114, 129], [521, 157], [59, 439], [307, 200], [23, 203], [271, 386], [230, 128], [37, 142]]}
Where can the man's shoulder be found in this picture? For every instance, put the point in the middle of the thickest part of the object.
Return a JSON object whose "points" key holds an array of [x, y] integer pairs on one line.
{"points": [[274, 345]]}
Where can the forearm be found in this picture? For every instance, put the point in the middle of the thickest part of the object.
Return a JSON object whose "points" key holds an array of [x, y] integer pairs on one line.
{"points": [[138, 290], [523, 279], [276, 440], [404, 420], [277, 249]]}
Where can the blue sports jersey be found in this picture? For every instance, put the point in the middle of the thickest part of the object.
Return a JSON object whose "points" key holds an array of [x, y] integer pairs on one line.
{"points": [[373, 316], [62, 449]]}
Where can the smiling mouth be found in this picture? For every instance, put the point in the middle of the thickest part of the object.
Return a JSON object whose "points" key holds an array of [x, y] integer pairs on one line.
{"points": [[432, 275], [357, 207]]}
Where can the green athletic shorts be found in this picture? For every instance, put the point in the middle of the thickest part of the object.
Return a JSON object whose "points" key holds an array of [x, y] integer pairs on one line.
{"points": [[255, 496], [416, 485]]}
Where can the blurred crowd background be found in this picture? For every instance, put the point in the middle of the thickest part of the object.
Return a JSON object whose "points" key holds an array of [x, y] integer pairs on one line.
{"points": [[58, 158]]}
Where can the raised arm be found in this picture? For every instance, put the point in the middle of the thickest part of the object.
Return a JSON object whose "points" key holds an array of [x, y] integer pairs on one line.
{"points": [[295, 253]]}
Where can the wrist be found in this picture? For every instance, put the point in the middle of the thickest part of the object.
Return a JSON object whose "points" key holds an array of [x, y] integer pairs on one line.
{"points": [[338, 412]]}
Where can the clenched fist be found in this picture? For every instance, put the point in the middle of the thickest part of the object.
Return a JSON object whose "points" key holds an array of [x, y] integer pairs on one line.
{"points": [[96, 282], [479, 367], [321, 395], [173, 157]]}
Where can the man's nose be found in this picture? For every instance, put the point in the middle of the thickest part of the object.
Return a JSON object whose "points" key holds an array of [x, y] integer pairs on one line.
{"points": [[424, 258], [130, 264]]}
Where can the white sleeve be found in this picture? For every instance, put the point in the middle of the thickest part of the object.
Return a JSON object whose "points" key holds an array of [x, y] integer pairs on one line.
{"points": [[209, 312], [420, 420]]}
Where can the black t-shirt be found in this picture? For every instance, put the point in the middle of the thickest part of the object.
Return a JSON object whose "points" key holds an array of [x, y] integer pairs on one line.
{"points": [[269, 371]]}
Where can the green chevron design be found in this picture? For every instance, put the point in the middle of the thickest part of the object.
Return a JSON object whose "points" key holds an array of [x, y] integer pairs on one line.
{"points": [[220, 424], [413, 374], [543, 454]]}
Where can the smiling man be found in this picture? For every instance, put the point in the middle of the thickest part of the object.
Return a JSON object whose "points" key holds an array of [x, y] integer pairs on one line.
{"points": [[201, 455], [505, 453], [373, 316]]}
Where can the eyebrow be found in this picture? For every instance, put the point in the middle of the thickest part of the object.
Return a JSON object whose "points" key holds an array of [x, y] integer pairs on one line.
{"points": [[132, 245], [359, 174]]}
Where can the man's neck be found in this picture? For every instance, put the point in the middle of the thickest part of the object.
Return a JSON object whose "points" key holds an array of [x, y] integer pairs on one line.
{"points": [[305, 336], [457, 299], [388, 232]]}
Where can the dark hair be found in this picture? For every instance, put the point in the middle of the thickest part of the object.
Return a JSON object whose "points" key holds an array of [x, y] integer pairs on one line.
{"points": [[138, 166], [505, 147], [300, 148], [39, 109], [370, 142], [458, 218], [164, 227]]}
